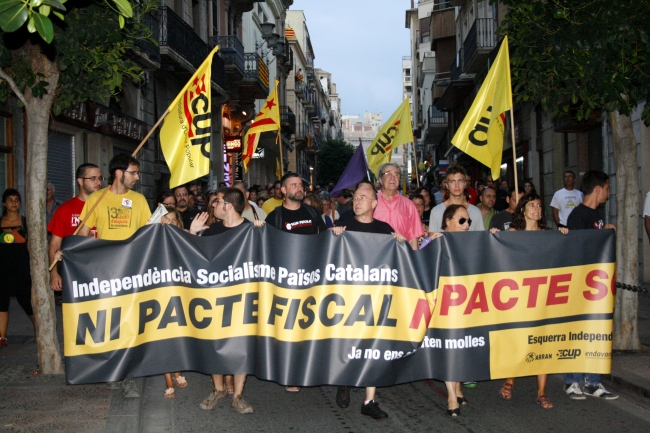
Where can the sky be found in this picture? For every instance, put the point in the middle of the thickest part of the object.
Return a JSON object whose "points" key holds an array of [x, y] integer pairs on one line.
{"points": [[361, 43]]}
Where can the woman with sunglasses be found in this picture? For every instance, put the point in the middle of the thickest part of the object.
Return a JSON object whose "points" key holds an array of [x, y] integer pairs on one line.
{"points": [[454, 219], [529, 216]]}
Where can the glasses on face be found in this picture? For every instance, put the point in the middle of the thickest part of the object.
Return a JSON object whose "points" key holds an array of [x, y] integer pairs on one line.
{"points": [[390, 174], [94, 178], [464, 220], [361, 198], [181, 194], [134, 173], [169, 203]]}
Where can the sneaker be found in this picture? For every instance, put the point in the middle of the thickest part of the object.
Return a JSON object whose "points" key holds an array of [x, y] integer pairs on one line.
{"points": [[130, 389], [209, 402], [3, 342], [574, 392], [600, 392], [372, 409], [343, 397], [114, 385], [240, 404]]}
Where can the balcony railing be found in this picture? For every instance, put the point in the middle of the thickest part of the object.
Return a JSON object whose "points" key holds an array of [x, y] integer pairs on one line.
{"points": [[151, 50], [179, 36], [482, 35], [231, 50], [437, 117], [219, 71], [256, 69], [287, 117]]}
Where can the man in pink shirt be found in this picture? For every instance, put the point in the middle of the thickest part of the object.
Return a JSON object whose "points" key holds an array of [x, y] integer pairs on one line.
{"points": [[396, 210]]}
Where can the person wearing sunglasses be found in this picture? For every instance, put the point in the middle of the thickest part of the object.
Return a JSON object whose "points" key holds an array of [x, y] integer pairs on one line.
{"points": [[456, 182], [66, 218]]}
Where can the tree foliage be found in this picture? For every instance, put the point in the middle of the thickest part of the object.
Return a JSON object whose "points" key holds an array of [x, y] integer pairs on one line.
{"points": [[580, 55], [332, 160], [92, 59]]}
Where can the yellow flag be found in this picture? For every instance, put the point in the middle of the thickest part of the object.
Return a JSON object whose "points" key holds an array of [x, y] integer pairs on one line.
{"points": [[396, 131], [187, 128], [266, 120], [481, 133], [278, 170]]}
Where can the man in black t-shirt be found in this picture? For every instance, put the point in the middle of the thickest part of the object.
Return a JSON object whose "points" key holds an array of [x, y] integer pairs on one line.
{"points": [[502, 219], [227, 207], [595, 186], [364, 202], [182, 195], [294, 216]]}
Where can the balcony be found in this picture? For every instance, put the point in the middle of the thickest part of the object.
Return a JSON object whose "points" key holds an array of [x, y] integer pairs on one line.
{"points": [[146, 48], [180, 48], [437, 122], [459, 87], [300, 88], [478, 44], [443, 23], [287, 119], [231, 50], [256, 77], [302, 134]]}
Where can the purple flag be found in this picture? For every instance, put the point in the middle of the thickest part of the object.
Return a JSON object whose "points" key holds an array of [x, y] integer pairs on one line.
{"points": [[354, 172]]}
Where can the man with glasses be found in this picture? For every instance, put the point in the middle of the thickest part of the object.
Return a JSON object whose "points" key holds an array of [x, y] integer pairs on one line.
{"points": [[456, 183], [66, 218], [117, 216], [188, 213], [398, 211], [274, 200], [364, 203]]}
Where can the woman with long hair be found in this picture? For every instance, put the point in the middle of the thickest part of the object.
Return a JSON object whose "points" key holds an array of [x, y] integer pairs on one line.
{"points": [[529, 216]]}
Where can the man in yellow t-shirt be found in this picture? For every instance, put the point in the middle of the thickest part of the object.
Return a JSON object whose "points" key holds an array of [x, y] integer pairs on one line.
{"points": [[122, 211], [275, 201]]}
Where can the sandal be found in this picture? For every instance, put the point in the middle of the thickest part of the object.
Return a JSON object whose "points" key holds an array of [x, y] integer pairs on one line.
{"points": [[544, 402], [180, 381], [169, 393], [462, 401], [293, 388], [230, 389], [506, 391]]}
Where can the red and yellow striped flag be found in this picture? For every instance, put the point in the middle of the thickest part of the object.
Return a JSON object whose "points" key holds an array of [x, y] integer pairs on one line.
{"points": [[267, 120], [187, 128]]}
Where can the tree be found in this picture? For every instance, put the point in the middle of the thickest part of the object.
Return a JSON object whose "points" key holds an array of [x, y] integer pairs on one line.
{"points": [[577, 56], [332, 160], [51, 56]]}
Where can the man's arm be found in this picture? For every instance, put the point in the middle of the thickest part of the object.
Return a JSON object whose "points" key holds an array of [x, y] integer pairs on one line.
{"points": [[556, 216], [84, 231], [414, 244], [55, 278]]}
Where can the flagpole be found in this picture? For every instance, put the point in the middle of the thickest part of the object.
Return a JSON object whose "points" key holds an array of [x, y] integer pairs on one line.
{"points": [[514, 153], [279, 140]]}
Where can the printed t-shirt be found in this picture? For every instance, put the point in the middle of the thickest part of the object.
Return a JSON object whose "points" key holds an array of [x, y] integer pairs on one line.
{"points": [[401, 214], [501, 220], [375, 226], [565, 201], [271, 204], [584, 217], [117, 216], [298, 221], [66, 219]]}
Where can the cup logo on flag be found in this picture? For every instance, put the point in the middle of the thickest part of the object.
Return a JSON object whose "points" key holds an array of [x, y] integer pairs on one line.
{"points": [[187, 130], [392, 134]]}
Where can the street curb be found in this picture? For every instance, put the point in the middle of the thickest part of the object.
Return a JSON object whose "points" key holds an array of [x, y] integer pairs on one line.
{"points": [[619, 382]]}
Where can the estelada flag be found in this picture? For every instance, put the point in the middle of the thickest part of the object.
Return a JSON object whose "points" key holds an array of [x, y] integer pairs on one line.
{"points": [[268, 119], [481, 133], [396, 131], [187, 128]]}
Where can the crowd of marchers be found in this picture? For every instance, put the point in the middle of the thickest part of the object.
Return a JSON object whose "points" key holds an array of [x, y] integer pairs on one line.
{"points": [[417, 216]]}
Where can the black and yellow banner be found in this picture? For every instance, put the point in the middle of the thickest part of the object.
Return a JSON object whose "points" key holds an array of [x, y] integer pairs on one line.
{"points": [[357, 309]]}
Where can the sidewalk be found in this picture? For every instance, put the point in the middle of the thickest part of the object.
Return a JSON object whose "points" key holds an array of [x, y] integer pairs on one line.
{"points": [[35, 402]]}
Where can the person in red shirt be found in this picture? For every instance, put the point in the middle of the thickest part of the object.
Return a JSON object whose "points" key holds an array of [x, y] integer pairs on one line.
{"points": [[66, 218]]}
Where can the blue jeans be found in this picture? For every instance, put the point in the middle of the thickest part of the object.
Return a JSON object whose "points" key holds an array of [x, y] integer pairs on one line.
{"points": [[590, 378]]}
